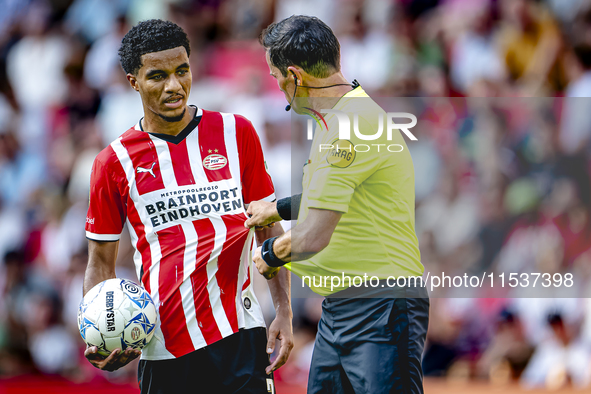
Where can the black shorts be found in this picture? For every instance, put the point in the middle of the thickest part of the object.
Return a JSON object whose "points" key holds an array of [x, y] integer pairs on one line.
{"points": [[370, 345], [235, 364]]}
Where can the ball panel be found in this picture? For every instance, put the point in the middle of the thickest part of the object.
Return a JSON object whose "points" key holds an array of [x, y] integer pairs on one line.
{"points": [[128, 308], [92, 336], [93, 311], [114, 343]]}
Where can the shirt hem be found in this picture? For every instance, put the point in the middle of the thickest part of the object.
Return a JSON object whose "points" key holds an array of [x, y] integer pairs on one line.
{"points": [[328, 206], [103, 237], [167, 357]]}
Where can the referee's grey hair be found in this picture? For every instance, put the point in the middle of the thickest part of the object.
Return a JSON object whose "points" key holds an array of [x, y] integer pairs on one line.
{"points": [[303, 41]]}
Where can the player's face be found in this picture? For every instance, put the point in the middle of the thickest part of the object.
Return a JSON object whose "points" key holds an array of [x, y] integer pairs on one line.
{"points": [[164, 82]]}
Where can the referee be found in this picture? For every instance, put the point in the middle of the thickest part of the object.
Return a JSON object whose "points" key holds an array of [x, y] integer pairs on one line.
{"points": [[355, 217]]}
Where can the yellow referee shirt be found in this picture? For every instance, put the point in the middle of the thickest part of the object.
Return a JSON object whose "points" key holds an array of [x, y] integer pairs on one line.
{"points": [[375, 192]]}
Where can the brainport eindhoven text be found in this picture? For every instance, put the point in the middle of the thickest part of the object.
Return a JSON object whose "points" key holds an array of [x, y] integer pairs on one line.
{"points": [[181, 204]]}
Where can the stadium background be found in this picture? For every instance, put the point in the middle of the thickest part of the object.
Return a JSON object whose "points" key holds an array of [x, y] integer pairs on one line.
{"points": [[498, 184]]}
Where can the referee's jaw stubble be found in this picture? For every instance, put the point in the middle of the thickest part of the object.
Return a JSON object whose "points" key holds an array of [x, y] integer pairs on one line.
{"points": [[164, 83]]}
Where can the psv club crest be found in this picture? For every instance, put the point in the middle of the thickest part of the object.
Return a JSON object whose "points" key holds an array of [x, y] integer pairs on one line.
{"points": [[215, 162]]}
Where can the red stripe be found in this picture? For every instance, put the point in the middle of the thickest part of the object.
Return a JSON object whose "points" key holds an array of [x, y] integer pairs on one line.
{"points": [[229, 264], [180, 163], [143, 154], [172, 316], [211, 138], [203, 311], [247, 283]]}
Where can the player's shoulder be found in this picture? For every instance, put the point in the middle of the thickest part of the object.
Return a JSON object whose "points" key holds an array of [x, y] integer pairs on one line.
{"points": [[241, 122]]}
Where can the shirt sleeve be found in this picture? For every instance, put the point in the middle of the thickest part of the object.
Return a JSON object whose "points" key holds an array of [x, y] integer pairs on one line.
{"points": [[256, 181], [107, 207], [338, 173]]}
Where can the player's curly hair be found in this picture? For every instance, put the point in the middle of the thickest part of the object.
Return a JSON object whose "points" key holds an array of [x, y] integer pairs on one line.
{"points": [[149, 36]]}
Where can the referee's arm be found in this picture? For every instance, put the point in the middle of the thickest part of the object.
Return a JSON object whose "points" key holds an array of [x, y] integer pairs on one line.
{"points": [[300, 243]]}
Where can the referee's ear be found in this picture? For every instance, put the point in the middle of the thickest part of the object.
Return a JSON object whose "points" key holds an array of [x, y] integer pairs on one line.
{"points": [[296, 72], [133, 82]]}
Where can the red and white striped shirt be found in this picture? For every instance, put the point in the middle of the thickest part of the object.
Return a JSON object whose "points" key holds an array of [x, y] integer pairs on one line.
{"points": [[183, 202]]}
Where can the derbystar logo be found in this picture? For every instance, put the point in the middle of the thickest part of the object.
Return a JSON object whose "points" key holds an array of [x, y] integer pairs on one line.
{"points": [[110, 317]]}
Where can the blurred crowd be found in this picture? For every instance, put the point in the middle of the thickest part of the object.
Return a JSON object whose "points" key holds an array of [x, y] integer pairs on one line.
{"points": [[502, 185]]}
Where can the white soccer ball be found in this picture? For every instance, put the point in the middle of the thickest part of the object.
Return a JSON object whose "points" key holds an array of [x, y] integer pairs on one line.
{"points": [[117, 313]]}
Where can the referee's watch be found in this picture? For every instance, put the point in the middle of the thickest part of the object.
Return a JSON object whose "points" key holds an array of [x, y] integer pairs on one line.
{"points": [[269, 256]]}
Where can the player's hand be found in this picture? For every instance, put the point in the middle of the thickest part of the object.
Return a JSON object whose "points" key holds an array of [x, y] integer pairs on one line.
{"points": [[262, 214], [114, 361], [280, 329], [264, 269]]}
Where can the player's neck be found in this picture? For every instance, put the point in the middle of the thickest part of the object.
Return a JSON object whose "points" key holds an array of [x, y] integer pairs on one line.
{"points": [[153, 123], [327, 98]]}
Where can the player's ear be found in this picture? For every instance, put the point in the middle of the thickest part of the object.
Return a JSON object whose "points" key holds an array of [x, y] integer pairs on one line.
{"points": [[133, 82]]}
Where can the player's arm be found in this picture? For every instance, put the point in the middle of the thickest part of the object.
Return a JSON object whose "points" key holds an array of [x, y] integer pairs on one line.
{"points": [[104, 222], [300, 243], [101, 266], [101, 263], [262, 213], [280, 288]]}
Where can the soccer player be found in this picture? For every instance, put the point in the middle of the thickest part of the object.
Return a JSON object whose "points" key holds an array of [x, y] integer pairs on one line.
{"points": [[181, 179], [355, 219]]}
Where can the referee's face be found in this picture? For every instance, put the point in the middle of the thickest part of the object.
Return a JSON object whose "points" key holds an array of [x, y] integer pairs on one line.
{"points": [[164, 83], [286, 84]]}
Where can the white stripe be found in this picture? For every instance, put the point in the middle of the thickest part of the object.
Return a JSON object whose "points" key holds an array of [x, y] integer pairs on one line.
{"points": [[156, 349], [186, 287], [194, 153], [164, 162], [102, 237], [243, 270], [232, 147], [137, 256], [212, 284]]}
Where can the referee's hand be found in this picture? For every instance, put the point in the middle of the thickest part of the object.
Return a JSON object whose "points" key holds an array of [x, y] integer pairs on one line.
{"points": [[261, 214], [114, 361], [262, 267]]}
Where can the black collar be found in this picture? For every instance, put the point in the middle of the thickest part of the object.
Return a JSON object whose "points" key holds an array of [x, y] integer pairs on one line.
{"points": [[177, 139]]}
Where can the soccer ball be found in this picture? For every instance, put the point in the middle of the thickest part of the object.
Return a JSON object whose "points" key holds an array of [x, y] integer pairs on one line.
{"points": [[117, 313]]}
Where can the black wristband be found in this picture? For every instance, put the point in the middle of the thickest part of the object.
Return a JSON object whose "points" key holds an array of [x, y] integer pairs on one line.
{"points": [[289, 207], [269, 256]]}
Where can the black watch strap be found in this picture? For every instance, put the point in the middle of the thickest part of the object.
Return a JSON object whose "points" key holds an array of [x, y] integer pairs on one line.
{"points": [[269, 256]]}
